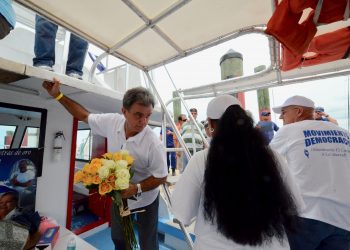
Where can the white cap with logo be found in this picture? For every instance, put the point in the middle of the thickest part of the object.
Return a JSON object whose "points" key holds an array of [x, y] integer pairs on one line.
{"points": [[217, 107], [296, 100]]}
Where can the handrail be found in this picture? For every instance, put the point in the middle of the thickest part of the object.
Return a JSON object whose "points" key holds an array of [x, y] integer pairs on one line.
{"points": [[182, 142], [182, 226], [188, 111]]}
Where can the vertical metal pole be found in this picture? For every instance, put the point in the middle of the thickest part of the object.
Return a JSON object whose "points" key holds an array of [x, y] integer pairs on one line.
{"points": [[182, 142], [188, 110], [348, 103], [65, 52], [182, 226]]}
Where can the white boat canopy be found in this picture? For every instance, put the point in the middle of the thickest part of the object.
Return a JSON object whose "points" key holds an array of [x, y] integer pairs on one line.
{"points": [[149, 34]]}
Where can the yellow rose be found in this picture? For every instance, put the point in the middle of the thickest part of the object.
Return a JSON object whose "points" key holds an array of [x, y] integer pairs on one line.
{"points": [[78, 176], [124, 153], [108, 156], [86, 168], [117, 156], [94, 168], [97, 164], [103, 172], [129, 160], [87, 180], [96, 161]]}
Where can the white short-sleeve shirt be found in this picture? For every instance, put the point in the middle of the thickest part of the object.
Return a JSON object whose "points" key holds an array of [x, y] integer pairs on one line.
{"points": [[318, 155], [146, 148], [187, 204], [24, 177]]}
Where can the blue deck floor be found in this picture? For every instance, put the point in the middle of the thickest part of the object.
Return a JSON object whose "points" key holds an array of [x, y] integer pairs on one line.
{"points": [[102, 241], [82, 219]]}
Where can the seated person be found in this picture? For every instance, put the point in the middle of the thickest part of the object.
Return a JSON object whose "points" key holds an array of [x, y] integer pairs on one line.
{"points": [[23, 178]]}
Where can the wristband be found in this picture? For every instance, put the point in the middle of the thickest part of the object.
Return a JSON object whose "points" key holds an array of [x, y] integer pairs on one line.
{"points": [[139, 190], [59, 96]]}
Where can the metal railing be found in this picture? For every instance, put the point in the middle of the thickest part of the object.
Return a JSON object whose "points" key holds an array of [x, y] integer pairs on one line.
{"points": [[185, 149]]}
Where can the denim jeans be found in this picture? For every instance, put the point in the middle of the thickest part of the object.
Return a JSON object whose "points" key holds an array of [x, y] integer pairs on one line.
{"points": [[313, 234], [146, 223], [171, 160], [44, 48]]}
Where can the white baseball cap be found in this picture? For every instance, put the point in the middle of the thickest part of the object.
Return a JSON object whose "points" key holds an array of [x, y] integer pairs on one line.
{"points": [[217, 107], [296, 100]]}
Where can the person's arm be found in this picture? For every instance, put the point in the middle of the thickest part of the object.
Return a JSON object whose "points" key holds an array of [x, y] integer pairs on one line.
{"points": [[157, 169], [146, 185], [76, 110], [187, 193], [13, 180], [22, 184], [331, 119]]}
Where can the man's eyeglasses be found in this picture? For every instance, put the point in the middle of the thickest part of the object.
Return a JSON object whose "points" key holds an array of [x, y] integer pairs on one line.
{"points": [[184, 120]]}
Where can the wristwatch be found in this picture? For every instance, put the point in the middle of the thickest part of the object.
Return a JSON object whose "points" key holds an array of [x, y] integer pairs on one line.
{"points": [[139, 190]]}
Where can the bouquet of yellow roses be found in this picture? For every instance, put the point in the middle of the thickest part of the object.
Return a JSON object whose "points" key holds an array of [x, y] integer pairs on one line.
{"points": [[109, 175]]}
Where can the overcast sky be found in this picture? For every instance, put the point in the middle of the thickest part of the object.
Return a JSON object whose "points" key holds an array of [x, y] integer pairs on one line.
{"points": [[204, 68]]}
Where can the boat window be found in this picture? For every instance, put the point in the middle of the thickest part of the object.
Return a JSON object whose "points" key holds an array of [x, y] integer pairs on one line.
{"points": [[30, 138], [22, 136], [84, 145], [29, 123], [6, 136]]}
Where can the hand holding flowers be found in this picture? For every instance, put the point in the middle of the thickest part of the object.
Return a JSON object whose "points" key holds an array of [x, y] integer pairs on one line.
{"points": [[111, 175]]}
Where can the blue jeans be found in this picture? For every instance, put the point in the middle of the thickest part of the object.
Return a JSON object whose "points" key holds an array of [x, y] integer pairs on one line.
{"points": [[171, 160], [44, 48], [313, 234], [147, 225]]}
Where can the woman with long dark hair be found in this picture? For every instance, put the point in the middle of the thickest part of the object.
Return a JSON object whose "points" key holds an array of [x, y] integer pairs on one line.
{"points": [[239, 191]]}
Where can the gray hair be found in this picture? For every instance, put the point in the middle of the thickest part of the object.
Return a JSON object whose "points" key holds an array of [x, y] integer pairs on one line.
{"points": [[138, 95]]}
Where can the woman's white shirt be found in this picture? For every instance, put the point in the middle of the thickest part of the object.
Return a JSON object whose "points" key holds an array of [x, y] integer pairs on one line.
{"points": [[187, 205]]}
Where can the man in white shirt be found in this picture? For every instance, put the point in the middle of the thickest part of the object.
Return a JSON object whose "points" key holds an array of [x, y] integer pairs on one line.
{"points": [[318, 155], [191, 136], [131, 132], [24, 177]]}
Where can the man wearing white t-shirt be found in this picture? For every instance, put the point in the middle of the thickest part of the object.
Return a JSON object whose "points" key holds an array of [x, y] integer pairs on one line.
{"points": [[318, 155], [130, 132], [24, 177]]}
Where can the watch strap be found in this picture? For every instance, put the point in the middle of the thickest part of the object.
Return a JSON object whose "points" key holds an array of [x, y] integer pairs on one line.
{"points": [[139, 190]]}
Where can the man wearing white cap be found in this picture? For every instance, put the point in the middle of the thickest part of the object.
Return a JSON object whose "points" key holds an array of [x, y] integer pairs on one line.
{"points": [[318, 155]]}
